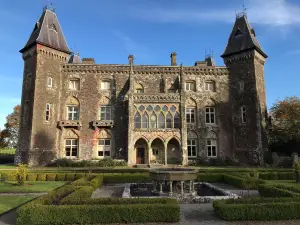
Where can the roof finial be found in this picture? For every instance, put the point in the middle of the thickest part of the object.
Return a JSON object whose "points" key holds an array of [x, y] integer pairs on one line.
{"points": [[243, 13], [49, 6]]}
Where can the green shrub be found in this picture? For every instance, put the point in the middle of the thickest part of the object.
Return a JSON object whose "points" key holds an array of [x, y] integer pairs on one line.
{"points": [[244, 183], [210, 177], [126, 178], [21, 174], [81, 182], [79, 175], [78, 195], [97, 214], [31, 177], [11, 176], [258, 209], [70, 176], [97, 181], [41, 177], [61, 177], [51, 177], [268, 190]]}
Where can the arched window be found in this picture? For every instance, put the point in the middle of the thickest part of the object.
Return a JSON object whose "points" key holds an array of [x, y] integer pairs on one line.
{"points": [[137, 121], [139, 89], [176, 120], [161, 120], [169, 120], [145, 120], [153, 120]]}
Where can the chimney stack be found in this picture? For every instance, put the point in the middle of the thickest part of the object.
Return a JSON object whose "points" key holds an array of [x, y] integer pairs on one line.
{"points": [[130, 59], [173, 59]]}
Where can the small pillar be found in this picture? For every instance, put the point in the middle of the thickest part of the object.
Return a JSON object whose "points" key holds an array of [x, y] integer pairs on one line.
{"points": [[160, 187], [182, 182], [171, 187], [191, 189], [154, 185], [193, 186]]}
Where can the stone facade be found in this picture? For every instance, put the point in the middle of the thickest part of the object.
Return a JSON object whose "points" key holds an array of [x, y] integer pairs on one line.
{"points": [[141, 113]]}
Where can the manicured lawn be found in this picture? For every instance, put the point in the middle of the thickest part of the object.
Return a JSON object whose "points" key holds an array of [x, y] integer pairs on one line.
{"points": [[7, 166], [8, 151], [10, 202], [37, 186]]}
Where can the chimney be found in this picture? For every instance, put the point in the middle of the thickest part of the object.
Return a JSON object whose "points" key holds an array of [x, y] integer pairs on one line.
{"points": [[173, 59], [210, 61], [130, 59], [88, 60]]}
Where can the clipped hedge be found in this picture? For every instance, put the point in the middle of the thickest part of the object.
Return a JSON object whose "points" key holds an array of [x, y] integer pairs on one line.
{"points": [[258, 209], [78, 196], [51, 177], [244, 183], [61, 177], [81, 182], [277, 176], [97, 181], [31, 177], [70, 176], [278, 190], [210, 177], [41, 177], [126, 178]]}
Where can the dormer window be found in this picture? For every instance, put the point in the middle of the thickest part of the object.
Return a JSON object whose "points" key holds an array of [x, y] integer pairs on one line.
{"points": [[139, 89], [74, 84], [210, 86], [105, 85], [190, 86]]}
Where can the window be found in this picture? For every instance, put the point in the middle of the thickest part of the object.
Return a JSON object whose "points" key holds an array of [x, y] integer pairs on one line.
{"points": [[145, 120], [155, 151], [169, 120], [176, 120], [71, 147], [48, 111], [74, 84], [190, 86], [73, 113], [49, 82], [139, 89], [153, 120], [211, 148], [209, 115], [137, 121], [105, 85], [104, 148], [161, 120], [209, 86], [192, 148], [190, 115], [241, 86], [243, 114], [105, 112]]}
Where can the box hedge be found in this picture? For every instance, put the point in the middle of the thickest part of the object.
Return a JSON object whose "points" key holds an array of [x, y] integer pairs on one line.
{"points": [[31, 177], [210, 177], [277, 176], [278, 190], [70, 176], [78, 195], [258, 209], [61, 177], [51, 177], [244, 183], [126, 178]]}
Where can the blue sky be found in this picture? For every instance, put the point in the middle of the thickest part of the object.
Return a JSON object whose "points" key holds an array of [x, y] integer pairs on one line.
{"points": [[110, 30]]}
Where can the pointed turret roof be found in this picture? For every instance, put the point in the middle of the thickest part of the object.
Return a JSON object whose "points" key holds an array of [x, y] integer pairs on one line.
{"points": [[242, 38], [47, 31]]}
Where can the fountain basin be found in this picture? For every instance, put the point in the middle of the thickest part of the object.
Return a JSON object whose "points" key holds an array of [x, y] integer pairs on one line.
{"points": [[174, 174]]}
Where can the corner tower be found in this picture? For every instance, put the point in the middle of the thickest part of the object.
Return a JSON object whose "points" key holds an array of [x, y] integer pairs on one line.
{"points": [[245, 60], [43, 54]]}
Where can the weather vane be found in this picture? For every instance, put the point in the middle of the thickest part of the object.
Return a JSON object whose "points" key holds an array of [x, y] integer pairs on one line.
{"points": [[49, 6], [243, 13]]}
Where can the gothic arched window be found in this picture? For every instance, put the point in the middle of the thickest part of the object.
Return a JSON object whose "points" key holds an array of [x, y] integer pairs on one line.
{"points": [[137, 120], [145, 120], [153, 120], [176, 120], [169, 120], [161, 120]]}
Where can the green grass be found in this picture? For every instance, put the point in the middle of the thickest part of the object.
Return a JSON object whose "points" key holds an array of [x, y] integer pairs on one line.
{"points": [[7, 166], [287, 182], [37, 186], [10, 202], [8, 151]]}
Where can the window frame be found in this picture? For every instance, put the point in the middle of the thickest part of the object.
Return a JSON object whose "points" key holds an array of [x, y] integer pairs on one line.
{"points": [[189, 116], [103, 148], [209, 114], [189, 84], [192, 144], [75, 81], [104, 86], [71, 147], [209, 147], [107, 114], [49, 84], [72, 117], [48, 112], [244, 114], [208, 84]]}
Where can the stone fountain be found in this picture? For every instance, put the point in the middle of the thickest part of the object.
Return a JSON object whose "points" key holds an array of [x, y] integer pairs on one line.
{"points": [[173, 181]]}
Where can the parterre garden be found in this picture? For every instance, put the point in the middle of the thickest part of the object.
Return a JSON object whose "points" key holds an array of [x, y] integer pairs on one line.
{"points": [[72, 202]]}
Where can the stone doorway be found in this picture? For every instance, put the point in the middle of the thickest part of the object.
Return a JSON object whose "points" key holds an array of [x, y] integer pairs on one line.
{"points": [[174, 155], [158, 152], [141, 148], [140, 155]]}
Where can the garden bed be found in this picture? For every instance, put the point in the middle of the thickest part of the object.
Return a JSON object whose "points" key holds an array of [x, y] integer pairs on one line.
{"points": [[37, 186], [9, 202]]}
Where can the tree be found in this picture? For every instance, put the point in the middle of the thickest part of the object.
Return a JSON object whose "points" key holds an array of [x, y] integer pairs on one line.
{"points": [[285, 133], [9, 135]]}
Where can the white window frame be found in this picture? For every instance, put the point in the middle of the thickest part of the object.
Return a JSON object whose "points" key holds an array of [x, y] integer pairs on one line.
{"points": [[190, 86], [107, 114], [105, 85], [188, 111], [49, 82], [209, 86], [192, 143], [244, 114], [48, 112], [74, 84], [104, 148], [74, 143], [210, 146], [211, 114], [73, 112]]}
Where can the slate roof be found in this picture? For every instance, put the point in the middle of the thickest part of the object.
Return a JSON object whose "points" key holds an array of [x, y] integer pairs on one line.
{"points": [[47, 31], [242, 38]]}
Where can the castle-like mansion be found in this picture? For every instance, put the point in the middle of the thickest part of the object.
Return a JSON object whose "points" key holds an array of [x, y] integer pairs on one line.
{"points": [[146, 114]]}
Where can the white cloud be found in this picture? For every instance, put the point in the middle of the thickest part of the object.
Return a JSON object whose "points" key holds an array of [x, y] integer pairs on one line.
{"points": [[264, 12]]}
